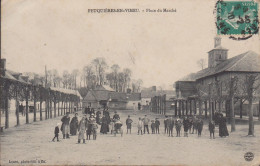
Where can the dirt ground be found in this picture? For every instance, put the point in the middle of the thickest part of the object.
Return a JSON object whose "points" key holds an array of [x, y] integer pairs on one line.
{"points": [[31, 143]]}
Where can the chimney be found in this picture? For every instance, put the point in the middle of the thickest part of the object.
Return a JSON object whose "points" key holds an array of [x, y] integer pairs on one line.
{"points": [[3, 67], [154, 88]]}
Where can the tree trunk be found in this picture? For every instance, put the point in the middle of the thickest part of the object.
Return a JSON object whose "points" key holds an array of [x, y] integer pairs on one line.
{"points": [[55, 109], [51, 109], [210, 110], [259, 111], [190, 107], [232, 115], [206, 109], [58, 108], [251, 122], [6, 111], [17, 112], [180, 108], [195, 107], [187, 108], [241, 109], [46, 109], [34, 109], [200, 108], [175, 108], [27, 110], [40, 110], [183, 108]]}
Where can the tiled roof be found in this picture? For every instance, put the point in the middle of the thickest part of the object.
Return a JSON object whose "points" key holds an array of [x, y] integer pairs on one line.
{"points": [[134, 96], [104, 88], [150, 93], [246, 62]]}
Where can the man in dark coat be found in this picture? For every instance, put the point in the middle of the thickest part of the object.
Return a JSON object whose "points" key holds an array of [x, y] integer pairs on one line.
{"points": [[170, 125], [186, 125], [128, 122], [199, 126], [65, 125], [212, 129], [74, 125], [157, 126]]}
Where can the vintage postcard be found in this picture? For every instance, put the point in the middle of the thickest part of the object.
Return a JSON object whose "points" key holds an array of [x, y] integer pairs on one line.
{"points": [[130, 82]]}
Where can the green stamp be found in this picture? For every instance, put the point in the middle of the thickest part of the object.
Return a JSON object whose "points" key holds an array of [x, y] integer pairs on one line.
{"points": [[237, 18]]}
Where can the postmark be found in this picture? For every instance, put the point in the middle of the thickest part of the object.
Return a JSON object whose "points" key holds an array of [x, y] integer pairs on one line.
{"points": [[239, 19], [249, 156]]}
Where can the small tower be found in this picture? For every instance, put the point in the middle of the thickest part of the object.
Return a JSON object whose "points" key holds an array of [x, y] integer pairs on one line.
{"points": [[218, 54], [217, 41]]}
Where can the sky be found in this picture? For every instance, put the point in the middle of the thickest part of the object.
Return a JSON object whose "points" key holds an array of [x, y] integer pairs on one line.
{"points": [[62, 35]]}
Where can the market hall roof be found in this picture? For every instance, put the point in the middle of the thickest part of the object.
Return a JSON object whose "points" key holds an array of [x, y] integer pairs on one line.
{"points": [[245, 62]]}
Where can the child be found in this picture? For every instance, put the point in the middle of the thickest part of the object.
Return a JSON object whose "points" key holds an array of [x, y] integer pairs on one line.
{"points": [[82, 129], [129, 124], [212, 129], [56, 133], [112, 124], [95, 127], [140, 126], [153, 126], [157, 126]]}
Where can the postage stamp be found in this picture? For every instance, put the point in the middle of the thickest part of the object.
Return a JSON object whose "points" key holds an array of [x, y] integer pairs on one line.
{"points": [[237, 18]]}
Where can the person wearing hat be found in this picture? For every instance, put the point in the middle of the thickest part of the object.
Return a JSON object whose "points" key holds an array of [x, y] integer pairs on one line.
{"points": [[165, 125], [116, 116], [140, 126], [157, 126], [82, 129], [146, 123], [170, 125], [153, 126], [66, 125], [186, 126], [128, 122], [178, 127], [74, 125], [56, 133]]}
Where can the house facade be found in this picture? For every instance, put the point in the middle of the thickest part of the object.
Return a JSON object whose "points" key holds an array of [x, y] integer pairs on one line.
{"points": [[215, 81]]}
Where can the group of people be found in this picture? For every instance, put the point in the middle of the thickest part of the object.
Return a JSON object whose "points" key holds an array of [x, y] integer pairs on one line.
{"points": [[89, 125], [190, 125]]}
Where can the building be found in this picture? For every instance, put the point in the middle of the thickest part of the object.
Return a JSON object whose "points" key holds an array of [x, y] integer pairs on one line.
{"points": [[214, 81], [104, 96]]}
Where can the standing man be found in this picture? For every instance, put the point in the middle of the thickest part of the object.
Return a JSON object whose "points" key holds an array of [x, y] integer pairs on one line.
{"points": [[157, 126], [199, 126], [170, 125], [146, 123], [165, 125], [66, 125], [128, 122]]}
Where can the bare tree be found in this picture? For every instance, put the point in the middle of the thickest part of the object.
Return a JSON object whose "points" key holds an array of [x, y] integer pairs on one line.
{"points": [[201, 63], [251, 85], [115, 69], [100, 68]]}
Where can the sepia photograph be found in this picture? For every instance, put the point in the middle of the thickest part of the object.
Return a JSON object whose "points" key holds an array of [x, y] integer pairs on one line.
{"points": [[129, 82]]}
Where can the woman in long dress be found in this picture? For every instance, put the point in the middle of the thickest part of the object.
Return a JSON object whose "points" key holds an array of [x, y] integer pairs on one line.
{"points": [[104, 125], [223, 132], [74, 125]]}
